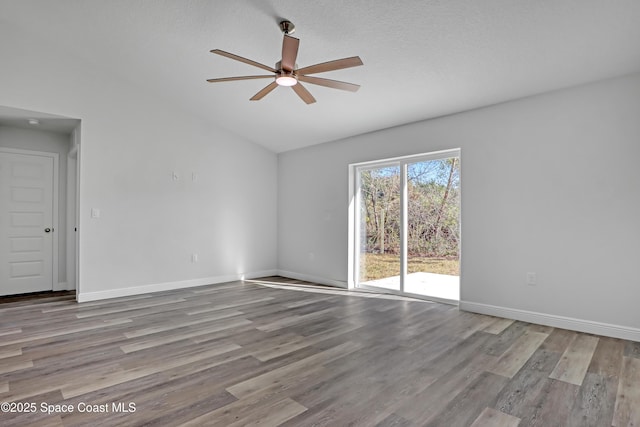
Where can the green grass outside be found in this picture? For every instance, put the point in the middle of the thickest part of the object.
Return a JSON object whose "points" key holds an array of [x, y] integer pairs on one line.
{"points": [[379, 266]]}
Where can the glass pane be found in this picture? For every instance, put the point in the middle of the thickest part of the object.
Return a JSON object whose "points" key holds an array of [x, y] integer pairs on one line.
{"points": [[433, 233], [380, 227]]}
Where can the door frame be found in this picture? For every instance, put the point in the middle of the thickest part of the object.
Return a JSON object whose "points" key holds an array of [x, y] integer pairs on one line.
{"points": [[73, 212], [54, 222], [354, 219]]}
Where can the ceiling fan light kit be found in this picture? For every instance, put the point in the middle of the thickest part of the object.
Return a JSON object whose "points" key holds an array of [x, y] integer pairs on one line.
{"points": [[286, 79], [287, 73], [283, 77]]}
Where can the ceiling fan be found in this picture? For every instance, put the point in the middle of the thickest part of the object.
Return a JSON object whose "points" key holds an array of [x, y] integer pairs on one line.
{"points": [[286, 72]]}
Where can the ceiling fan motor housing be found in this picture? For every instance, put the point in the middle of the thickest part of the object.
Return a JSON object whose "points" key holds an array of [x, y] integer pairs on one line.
{"points": [[284, 77]]}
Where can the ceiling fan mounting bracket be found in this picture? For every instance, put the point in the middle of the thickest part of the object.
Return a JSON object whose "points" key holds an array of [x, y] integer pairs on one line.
{"points": [[287, 27]]}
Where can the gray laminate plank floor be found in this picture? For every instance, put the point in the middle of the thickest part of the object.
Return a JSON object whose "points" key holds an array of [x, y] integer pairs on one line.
{"points": [[284, 352]]}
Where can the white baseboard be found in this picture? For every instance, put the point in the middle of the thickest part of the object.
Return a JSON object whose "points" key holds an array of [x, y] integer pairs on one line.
{"points": [[314, 279], [167, 286], [580, 325]]}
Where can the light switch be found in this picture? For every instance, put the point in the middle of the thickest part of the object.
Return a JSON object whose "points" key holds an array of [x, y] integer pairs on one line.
{"points": [[95, 213]]}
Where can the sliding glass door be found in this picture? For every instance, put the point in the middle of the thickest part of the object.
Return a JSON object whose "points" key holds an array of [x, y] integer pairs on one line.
{"points": [[408, 225], [379, 242]]}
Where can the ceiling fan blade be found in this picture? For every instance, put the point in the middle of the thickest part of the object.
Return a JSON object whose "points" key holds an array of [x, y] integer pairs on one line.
{"points": [[230, 79], [334, 84], [337, 64], [265, 91], [289, 52], [241, 59], [303, 93]]}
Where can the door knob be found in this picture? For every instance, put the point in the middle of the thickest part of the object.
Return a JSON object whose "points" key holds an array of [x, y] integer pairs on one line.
{"points": [[46, 230]]}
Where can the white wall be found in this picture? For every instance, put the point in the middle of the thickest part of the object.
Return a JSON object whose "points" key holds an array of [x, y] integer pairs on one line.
{"points": [[51, 142], [549, 185], [132, 142]]}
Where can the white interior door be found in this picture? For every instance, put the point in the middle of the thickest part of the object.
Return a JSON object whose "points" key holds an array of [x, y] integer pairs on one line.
{"points": [[26, 223]]}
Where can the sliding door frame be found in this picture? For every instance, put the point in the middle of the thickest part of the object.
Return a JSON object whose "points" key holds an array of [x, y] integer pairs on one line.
{"points": [[355, 199]]}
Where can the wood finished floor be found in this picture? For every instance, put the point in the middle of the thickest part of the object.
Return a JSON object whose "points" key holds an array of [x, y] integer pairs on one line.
{"points": [[241, 354]]}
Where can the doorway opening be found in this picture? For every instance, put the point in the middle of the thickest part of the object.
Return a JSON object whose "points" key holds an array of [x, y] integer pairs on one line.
{"points": [[39, 168], [405, 226]]}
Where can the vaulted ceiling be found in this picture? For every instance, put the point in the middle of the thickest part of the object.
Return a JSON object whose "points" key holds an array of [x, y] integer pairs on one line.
{"points": [[422, 58]]}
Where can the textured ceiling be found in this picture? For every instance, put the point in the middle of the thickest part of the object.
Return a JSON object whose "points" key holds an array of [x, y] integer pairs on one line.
{"points": [[423, 58]]}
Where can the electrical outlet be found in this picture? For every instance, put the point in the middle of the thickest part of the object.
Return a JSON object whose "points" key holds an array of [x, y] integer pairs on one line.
{"points": [[532, 279], [194, 257]]}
